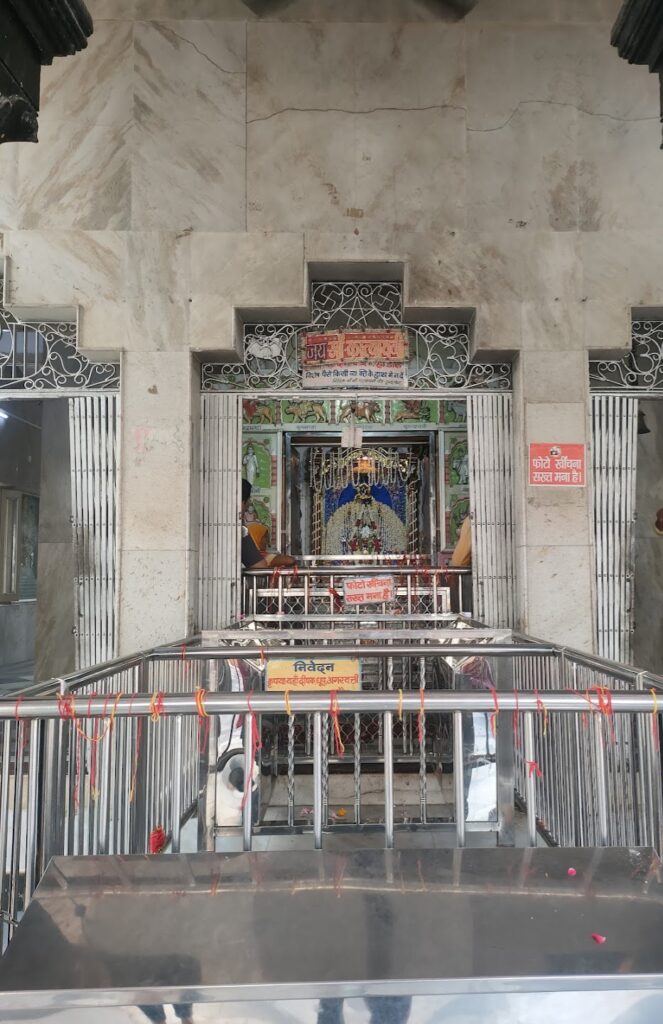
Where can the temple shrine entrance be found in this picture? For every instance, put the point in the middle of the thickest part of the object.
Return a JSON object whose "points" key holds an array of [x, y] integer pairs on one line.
{"points": [[368, 438]]}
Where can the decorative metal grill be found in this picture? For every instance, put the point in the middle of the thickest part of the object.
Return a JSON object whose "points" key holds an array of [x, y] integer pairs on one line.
{"points": [[44, 357], [439, 353], [614, 463], [641, 371], [93, 430]]}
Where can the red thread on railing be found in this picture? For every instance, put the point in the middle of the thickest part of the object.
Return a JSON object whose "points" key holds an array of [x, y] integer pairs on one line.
{"points": [[157, 839], [333, 711], [338, 600], [67, 706], [540, 706], [184, 660], [605, 708], [534, 769]]}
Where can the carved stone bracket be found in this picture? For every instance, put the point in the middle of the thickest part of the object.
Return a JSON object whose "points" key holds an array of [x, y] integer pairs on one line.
{"points": [[32, 33]]}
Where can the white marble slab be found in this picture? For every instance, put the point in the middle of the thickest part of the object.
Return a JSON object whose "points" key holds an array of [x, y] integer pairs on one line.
{"points": [[188, 139]]}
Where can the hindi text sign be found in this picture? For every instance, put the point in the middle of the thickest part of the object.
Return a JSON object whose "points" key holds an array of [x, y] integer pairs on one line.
{"points": [[368, 358], [557, 465], [313, 674], [369, 590]]}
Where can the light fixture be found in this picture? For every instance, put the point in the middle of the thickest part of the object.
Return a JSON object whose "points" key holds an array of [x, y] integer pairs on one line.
{"points": [[4, 415]]}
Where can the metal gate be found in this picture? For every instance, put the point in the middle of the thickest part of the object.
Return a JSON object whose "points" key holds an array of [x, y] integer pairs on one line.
{"points": [[220, 483], [93, 421], [490, 440], [614, 434]]}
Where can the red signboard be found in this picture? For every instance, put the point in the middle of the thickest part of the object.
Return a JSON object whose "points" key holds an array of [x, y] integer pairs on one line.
{"points": [[369, 358], [557, 465]]}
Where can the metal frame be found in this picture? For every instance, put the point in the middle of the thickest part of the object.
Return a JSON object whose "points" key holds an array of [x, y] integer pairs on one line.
{"points": [[93, 430], [490, 440], [614, 460], [219, 565]]}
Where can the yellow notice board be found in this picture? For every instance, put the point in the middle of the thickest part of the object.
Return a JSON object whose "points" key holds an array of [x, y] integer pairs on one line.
{"points": [[313, 674]]}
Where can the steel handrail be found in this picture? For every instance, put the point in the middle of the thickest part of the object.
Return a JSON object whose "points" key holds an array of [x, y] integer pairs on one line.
{"points": [[367, 702], [450, 648], [351, 570]]}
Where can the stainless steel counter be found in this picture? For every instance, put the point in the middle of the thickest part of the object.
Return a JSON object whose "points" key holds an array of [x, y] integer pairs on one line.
{"points": [[252, 930]]}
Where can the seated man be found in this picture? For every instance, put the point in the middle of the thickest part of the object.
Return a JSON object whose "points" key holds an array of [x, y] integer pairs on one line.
{"points": [[252, 557]]}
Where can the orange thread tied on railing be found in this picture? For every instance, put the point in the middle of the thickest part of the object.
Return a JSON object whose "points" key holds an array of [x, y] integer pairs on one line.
{"points": [[203, 719], [288, 706], [333, 711], [256, 745], [338, 600], [157, 705], [96, 737], [654, 720], [495, 713], [400, 705]]}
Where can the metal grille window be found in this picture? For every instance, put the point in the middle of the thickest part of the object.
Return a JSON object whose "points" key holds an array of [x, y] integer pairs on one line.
{"points": [[44, 357]]}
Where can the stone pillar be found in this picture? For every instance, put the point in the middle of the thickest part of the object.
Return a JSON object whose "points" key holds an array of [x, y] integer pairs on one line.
{"points": [[55, 653], [555, 597], [159, 418]]}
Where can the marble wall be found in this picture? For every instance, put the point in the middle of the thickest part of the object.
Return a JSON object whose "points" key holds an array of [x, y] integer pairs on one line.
{"points": [[195, 158]]}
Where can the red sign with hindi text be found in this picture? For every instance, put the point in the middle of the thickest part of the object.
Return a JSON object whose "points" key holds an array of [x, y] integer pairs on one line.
{"points": [[557, 465]]}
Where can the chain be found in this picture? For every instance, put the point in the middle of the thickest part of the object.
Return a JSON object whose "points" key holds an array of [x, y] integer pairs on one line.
{"points": [[291, 770]]}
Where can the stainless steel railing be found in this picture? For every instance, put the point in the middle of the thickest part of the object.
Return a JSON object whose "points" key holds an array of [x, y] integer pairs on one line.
{"points": [[95, 762], [319, 590]]}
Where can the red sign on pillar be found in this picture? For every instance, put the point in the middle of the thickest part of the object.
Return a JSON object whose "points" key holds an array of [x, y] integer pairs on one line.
{"points": [[557, 465]]}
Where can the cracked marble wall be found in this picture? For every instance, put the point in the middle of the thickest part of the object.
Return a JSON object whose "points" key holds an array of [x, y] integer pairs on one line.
{"points": [[195, 157]]}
